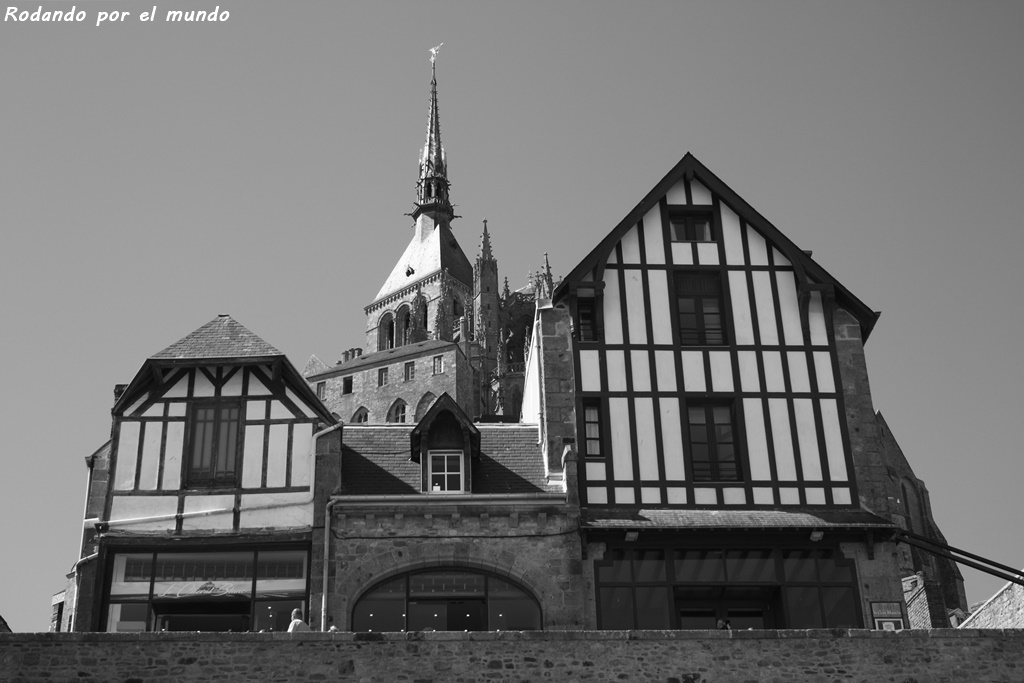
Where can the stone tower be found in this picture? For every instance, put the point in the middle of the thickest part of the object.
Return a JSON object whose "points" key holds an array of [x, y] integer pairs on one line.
{"points": [[433, 265], [486, 307]]}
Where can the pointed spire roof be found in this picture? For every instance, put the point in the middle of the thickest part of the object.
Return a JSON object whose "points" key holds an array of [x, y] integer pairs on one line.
{"points": [[485, 245], [222, 337], [432, 188], [546, 279]]}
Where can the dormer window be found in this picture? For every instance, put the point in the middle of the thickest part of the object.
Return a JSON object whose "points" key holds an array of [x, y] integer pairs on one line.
{"points": [[445, 443], [444, 473]]}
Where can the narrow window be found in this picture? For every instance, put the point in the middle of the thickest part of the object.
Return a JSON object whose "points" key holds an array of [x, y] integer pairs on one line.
{"points": [[438, 365], [445, 475], [321, 390], [587, 310], [213, 452], [346, 385], [410, 371], [713, 453], [382, 377], [699, 309], [592, 428]]}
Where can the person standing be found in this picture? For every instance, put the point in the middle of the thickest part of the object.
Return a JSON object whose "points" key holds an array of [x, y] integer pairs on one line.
{"points": [[297, 623]]}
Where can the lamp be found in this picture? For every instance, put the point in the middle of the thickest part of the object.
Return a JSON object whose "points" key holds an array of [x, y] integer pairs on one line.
{"points": [[632, 536], [817, 535]]}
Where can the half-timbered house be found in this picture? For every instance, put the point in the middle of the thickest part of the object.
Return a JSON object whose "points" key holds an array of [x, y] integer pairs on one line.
{"points": [[200, 507]]}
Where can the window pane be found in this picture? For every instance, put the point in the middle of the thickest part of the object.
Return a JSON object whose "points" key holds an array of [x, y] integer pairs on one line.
{"points": [[799, 565], [803, 607], [649, 565], [840, 607], [615, 608], [750, 566], [274, 615], [618, 570], [383, 609], [699, 566], [652, 607], [509, 608], [832, 571], [697, 618], [447, 584]]}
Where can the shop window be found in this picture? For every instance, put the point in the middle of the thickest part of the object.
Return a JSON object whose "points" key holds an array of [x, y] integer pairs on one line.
{"points": [[213, 445], [361, 416], [446, 600], [206, 590], [445, 471], [713, 448], [699, 309], [707, 588]]}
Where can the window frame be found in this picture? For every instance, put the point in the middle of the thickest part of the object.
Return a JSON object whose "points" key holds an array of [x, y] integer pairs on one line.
{"points": [[190, 477], [688, 217], [587, 318], [346, 385], [321, 390], [409, 371], [446, 453], [382, 377], [437, 365], [597, 405], [398, 407], [714, 461], [360, 412], [698, 333]]}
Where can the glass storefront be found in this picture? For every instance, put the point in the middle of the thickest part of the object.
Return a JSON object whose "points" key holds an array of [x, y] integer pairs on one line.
{"points": [[739, 588], [251, 590], [446, 600]]}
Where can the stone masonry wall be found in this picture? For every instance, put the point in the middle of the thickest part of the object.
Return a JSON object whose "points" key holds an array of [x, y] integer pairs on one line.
{"points": [[535, 546], [938, 656], [1004, 610]]}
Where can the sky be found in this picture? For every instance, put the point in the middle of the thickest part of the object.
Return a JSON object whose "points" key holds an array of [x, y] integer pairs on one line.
{"points": [[154, 175]]}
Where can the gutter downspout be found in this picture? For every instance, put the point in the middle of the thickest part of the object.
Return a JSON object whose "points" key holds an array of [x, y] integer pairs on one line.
{"points": [[327, 544]]}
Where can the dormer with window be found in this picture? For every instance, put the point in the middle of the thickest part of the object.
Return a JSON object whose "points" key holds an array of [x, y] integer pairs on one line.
{"points": [[445, 443]]}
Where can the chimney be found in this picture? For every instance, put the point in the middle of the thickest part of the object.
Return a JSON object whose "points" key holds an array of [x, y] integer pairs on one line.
{"points": [[344, 357], [358, 352]]}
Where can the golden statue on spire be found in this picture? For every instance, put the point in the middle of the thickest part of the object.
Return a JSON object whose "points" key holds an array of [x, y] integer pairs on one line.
{"points": [[433, 53]]}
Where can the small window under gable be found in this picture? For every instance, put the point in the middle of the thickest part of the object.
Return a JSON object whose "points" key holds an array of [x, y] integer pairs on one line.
{"points": [[445, 442]]}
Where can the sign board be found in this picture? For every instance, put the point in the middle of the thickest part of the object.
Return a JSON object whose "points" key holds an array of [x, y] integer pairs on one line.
{"points": [[887, 616]]}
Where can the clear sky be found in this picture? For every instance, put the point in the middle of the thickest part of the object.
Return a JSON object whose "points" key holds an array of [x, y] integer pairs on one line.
{"points": [[154, 175]]}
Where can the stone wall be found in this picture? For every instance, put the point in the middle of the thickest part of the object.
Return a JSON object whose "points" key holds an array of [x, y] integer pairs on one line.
{"points": [[536, 546], [938, 656]]}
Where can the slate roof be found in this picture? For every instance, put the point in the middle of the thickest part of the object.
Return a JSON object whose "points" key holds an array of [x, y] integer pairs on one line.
{"points": [[426, 254], [383, 357], [597, 518], [375, 460], [222, 337]]}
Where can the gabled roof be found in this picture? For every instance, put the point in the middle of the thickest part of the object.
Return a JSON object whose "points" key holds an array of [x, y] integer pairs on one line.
{"points": [[444, 402], [432, 249], [369, 360], [690, 167], [222, 341], [376, 460], [222, 337]]}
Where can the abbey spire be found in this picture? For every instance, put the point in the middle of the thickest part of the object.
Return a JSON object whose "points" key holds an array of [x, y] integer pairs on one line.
{"points": [[432, 187]]}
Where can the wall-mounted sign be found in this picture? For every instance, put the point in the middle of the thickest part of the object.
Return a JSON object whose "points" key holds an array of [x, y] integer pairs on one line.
{"points": [[197, 588], [887, 616]]}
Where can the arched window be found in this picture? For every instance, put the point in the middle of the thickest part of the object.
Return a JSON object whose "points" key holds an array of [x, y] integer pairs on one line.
{"points": [[454, 599], [386, 332], [397, 411], [403, 326], [421, 407], [361, 416]]}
